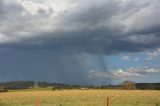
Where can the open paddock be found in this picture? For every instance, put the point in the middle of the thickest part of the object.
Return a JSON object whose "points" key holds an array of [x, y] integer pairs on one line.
{"points": [[81, 98]]}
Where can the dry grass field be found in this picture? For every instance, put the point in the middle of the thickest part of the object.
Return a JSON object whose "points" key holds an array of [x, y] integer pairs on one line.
{"points": [[81, 98]]}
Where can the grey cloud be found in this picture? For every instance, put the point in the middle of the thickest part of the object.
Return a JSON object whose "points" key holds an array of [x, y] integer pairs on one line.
{"points": [[153, 54], [66, 29], [137, 74], [10, 10], [121, 74], [125, 58], [44, 66], [87, 27]]}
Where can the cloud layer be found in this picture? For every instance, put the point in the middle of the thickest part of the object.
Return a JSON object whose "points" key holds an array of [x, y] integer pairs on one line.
{"points": [[125, 74], [153, 54], [63, 40], [97, 27]]}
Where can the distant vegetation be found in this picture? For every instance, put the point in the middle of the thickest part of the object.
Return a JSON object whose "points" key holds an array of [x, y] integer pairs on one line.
{"points": [[15, 85], [3, 89], [57, 85], [127, 85], [149, 86]]}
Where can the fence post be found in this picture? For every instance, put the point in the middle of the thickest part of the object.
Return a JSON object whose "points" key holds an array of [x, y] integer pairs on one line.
{"points": [[108, 101], [37, 101]]}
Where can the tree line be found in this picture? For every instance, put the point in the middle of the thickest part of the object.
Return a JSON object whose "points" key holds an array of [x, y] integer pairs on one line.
{"points": [[129, 85], [142, 86], [15, 85]]}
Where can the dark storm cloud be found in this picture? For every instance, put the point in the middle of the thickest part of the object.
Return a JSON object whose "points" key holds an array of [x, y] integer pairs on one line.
{"points": [[43, 66], [8, 11], [103, 27], [66, 29]]}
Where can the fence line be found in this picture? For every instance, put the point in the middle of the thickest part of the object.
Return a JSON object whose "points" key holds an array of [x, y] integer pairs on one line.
{"points": [[37, 101], [108, 101]]}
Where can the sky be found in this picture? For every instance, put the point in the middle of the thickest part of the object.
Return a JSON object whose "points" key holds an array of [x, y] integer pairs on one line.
{"points": [[95, 42]]}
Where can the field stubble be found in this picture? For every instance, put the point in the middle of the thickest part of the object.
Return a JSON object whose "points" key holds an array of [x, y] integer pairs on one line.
{"points": [[81, 98]]}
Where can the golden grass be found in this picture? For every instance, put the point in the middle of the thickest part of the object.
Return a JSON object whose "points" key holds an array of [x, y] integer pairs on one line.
{"points": [[82, 98]]}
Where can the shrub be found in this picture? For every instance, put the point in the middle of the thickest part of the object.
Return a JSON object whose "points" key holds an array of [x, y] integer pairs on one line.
{"points": [[3, 89], [128, 85], [54, 89]]}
